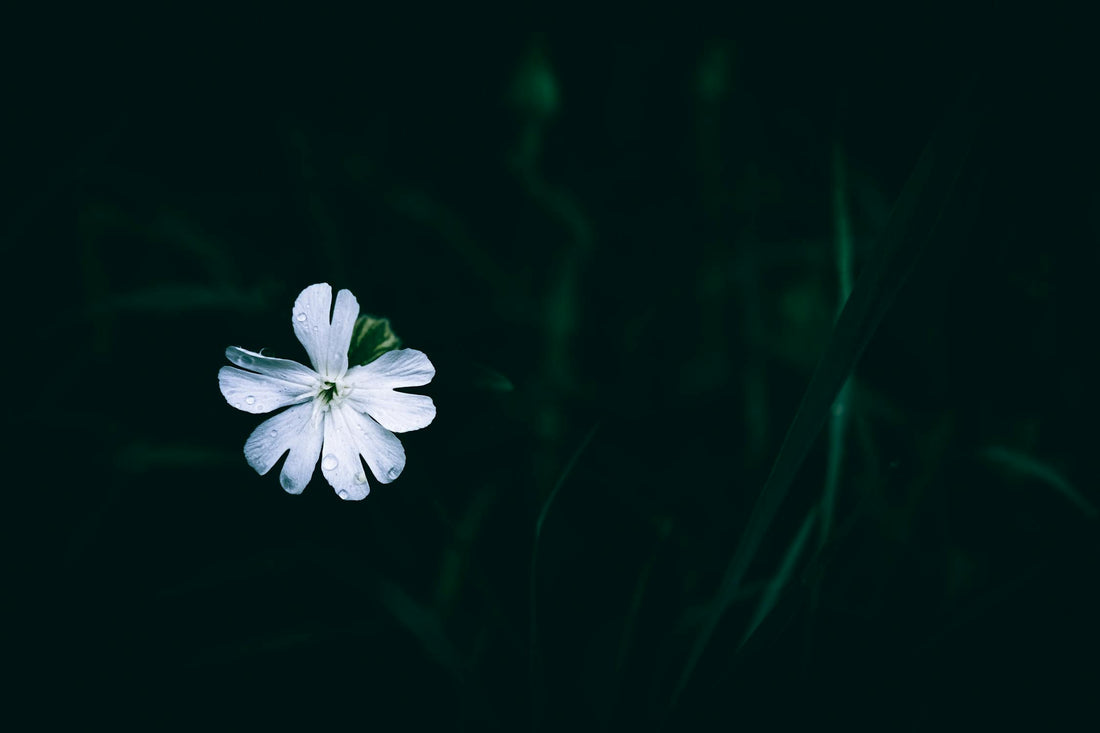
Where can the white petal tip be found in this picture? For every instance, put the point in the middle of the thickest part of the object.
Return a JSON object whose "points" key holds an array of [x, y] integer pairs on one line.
{"points": [[390, 475], [290, 485]]}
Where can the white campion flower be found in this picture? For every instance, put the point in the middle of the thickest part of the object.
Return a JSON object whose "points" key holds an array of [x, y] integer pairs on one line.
{"points": [[334, 413]]}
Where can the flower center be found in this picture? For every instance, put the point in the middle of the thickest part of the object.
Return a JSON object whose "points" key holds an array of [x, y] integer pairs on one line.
{"points": [[332, 392]]}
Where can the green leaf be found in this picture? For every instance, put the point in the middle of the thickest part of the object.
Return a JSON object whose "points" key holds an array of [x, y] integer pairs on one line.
{"points": [[371, 338]]}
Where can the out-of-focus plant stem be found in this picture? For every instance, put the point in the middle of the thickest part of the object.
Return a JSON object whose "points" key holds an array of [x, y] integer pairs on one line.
{"points": [[839, 418]]}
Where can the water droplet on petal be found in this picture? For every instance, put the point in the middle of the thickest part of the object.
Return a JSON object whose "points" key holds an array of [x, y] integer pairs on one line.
{"points": [[250, 400], [392, 473], [330, 462], [360, 478], [342, 494], [301, 317]]}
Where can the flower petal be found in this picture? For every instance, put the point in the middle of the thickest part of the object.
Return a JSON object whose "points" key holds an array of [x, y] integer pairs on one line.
{"points": [[380, 448], [285, 369], [299, 465], [325, 340], [311, 323], [396, 411], [276, 436], [339, 339], [348, 435], [257, 393], [340, 462], [397, 368]]}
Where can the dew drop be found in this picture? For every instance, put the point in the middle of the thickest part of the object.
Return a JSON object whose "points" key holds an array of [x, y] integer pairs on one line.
{"points": [[330, 462], [301, 317], [250, 400], [342, 494], [392, 473]]}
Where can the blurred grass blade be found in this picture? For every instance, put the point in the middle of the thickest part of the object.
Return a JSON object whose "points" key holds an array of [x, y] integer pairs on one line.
{"points": [[779, 582], [532, 589], [834, 460], [838, 420], [911, 227], [1025, 465], [491, 380], [424, 625], [422, 622], [842, 225], [627, 636]]}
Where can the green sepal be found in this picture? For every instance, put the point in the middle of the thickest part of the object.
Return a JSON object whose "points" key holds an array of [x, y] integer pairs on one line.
{"points": [[371, 337]]}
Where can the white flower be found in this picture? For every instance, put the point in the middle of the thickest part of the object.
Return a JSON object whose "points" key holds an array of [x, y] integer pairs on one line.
{"points": [[335, 413]]}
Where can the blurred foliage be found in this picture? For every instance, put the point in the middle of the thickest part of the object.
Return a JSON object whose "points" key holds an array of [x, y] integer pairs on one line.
{"points": [[633, 233]]}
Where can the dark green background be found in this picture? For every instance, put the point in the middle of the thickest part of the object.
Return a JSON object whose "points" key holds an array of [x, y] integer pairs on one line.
{"points": [[634, 233]]}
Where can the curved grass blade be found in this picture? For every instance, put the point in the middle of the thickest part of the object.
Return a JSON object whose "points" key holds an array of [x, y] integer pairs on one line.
{"points": [[838, 420], [786, 569], [838, 417], [909, 231], [1025, 465], [535, 670], [776, 586]]}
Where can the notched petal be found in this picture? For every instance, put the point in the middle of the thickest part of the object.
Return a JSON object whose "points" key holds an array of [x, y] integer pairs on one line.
{"points": [[340, 462], [275, 436], [380, 448], [396, 411], [300, 464], [285, 369], [397, 368], [310, 317], [343, 324], [257, 393]]}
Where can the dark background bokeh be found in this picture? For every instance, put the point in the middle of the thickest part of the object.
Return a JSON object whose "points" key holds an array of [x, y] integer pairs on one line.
{"points": [[626, 235]]}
